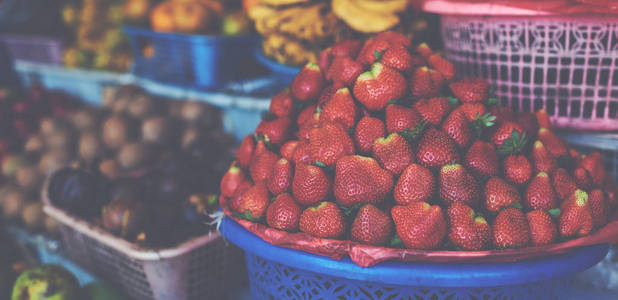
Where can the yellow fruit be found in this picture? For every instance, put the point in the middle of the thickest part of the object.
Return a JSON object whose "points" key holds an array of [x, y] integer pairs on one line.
{"points": [[361, 19]]}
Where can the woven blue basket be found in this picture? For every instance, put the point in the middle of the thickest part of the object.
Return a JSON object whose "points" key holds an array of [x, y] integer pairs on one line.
{"points": [[284, 73], [281, 273]]}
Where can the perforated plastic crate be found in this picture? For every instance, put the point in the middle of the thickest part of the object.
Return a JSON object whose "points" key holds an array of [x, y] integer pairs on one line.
{"points": [[33, 48], [566, 65], [200, 268]]}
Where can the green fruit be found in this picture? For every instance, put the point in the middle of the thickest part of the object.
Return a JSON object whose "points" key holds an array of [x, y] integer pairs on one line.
{"points": [[235, 23], [100, 291], [46, 282]]}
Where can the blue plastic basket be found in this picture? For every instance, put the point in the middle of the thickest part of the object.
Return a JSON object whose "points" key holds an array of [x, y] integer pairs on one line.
{"points": [[281, 273], [189, 60], [282, 72]]}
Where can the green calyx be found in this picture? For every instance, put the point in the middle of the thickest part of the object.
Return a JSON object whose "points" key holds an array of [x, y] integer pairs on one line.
{"points": [[378, 55], [514, 144], [415, 134], [453, 101], [581, 198], [554, 212], [482, 122], [396, 242], [312, 66]]}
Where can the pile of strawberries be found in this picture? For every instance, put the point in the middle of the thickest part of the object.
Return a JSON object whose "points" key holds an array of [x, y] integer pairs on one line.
{"points": [[380, 144]]}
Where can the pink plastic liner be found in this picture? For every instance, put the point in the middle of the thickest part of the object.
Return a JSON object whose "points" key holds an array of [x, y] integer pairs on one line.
{"points": [[520, 8]]}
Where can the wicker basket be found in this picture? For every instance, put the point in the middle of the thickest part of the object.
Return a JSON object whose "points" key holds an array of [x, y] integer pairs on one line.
{"points": [[197, 269]]}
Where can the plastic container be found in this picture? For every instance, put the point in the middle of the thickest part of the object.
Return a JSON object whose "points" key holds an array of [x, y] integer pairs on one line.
{"points": [[188, 60], [566, 64], [196, 269], [281, 273], [283, 73], [606, 144], [33, 48]]}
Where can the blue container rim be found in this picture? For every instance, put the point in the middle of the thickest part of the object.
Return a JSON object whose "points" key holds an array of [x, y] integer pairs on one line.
{"points": [[193, 38], [275, 67], [421, 274]]}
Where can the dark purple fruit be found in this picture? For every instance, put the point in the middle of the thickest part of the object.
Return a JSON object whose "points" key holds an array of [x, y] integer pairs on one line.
{"points": [[77, 191]]}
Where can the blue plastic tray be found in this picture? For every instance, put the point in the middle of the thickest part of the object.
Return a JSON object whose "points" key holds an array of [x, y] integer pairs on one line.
{"points": [[282, 273], [283, 72]]}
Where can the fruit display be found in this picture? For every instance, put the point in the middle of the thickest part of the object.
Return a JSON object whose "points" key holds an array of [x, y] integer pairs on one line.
{"points": [[383, 145]]}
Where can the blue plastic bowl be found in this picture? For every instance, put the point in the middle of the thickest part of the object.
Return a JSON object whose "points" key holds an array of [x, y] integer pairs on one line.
{"points": [[281, 273], [284, 73]]}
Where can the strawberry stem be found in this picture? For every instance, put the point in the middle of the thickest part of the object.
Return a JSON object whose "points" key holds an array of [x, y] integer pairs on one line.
{"points": [[453, 101], [378, 55], [514, 144], [396, 242], [554, 212]]}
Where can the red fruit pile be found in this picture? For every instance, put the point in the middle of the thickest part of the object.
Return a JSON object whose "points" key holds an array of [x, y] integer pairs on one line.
{"points": [[383, 145]]}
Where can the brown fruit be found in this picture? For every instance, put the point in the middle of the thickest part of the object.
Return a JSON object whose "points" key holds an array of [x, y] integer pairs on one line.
{"points": [[109, 96], [132, 155], [51, 225], [32, 215], [34, 144], [141, 106], [190, 136], [29, 177], [60, 139], [136, 9], [115, 132], [124, 216], [155, 130], [162, 17], [109, 168], [52, 161], [191, 17], [84, 120], [48, 125], [90, 146], [12, 204], [12, 163], [192, 111]]}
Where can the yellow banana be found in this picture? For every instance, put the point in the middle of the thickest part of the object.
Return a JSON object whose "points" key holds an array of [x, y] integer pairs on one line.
{"points": [[384, 6], [361, 19]]}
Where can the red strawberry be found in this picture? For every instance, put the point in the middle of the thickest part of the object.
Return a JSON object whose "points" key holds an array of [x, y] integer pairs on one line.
{"points": [[527, 121], [505, 132], [517, 169], [377, 87], [393, 153], [236, 198], [424, 50], [348, 48], [325, 59], [371, 226], [456, 126], [457, 185], [344, 70], [288, 148], [306, 114], [397, 57], [254, 201], [499, 194], [231, 180], [340, 108], [261, 167], [543, 118], [324, 220], [543, 160], [308, 83], [282, 105], [245, 151], [368, 130], [330, 142], [371, 51], [328, 92], [419, 225], [443, 66], [360, 179], [467, 231], [598, 208], [554, 144], [304, 130], [436, 149], [502, 113], [276, 131], [511, 229], [542, 228], [260, 148], [473, 111], [281, 178], [611, 190], [302, 154], [310, 184], [540, 193], [283, 213], [426, 82], [564, 185], [582, 178], [593, 163], [576, 217], [395, 38], [399, 118], [470, 90], [415, 184], [433, 110], [482, 160]]}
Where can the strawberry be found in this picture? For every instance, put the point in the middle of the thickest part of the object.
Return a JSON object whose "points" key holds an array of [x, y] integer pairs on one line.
{"points": [[415, 184], [308, 83], [276, 131], [471, 90], [281, 178], [288, 148], [302, 154], [236, 198], [260, 148], [347, 48], [397, 57], [511, 229], [433, 109], [360, 179], [393, 153], [282, 104], [443, 66], [375, 88], [542, 228], [611, 191], [283, 213], [425, 82], [482, 160], [371, 226], [576, 217], [245, 151], [542, 160], [368, 130], [395, 38], [325, 59], [502, 113], [436, 149], [543, 118], [372, 51], [306, 114], [456, 126], [419, 225], [599, 210], [310, 184], [261, 167], [328, 92], [340, 108], [540, 193], [473, 111], [554, 145], [517, 169], [399, 118], [593, 163], [231, 180], [506, 132], [304, 130], [344, 70], [424, 50], [564, 185], [499, 194], [528, 123], [465, 230], [455, 184], [582, 178], [324, 220], [330, 142], [254, 201]]}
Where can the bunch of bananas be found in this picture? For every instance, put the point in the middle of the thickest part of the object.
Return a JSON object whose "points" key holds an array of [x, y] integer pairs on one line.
{"points": [[369, 16]]}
